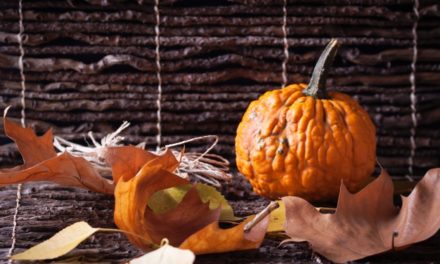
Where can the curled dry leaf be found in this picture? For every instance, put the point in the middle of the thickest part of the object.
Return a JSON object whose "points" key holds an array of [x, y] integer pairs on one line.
{"points": [[131, 199], [191, 220], [367, 223], [126, 161], [41, 163], [213, 239], [132, 213]]}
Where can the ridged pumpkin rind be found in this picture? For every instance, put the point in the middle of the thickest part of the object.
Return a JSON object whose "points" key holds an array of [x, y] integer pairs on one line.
{"points": [[292, 144]]}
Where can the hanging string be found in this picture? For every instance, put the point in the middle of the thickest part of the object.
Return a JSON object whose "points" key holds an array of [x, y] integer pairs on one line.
{"points": [[159, 77], [286, 45], [413, 98], [23, 123]]}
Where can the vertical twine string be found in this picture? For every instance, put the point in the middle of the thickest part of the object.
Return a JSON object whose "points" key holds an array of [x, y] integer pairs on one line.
{"points": [[286, 45], [159, 77], [413, 98], [23, 123]]}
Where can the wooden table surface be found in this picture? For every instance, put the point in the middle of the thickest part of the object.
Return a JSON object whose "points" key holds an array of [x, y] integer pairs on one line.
{"points": [[47, 208]]}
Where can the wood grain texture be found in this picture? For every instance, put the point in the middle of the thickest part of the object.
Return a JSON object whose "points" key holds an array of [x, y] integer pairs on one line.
{"points": [[47, 208]]}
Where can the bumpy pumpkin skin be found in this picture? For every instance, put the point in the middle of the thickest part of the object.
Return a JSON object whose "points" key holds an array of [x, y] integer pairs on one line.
{"points": [[289, 143]]}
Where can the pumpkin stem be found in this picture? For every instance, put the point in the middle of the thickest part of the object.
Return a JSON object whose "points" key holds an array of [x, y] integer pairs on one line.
{"points": [[316, 87]]}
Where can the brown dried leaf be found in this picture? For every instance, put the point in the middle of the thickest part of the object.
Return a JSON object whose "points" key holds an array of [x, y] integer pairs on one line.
{"points": [[179, 223], [126, 161], [65, 170], [131, 200], [419, 216], [367, 223], [213, 239], [190, 220], [33, 149], [41, 163]]}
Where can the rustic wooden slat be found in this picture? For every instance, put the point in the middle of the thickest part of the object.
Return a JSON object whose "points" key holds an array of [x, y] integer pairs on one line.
{"points": [[195, 17], [219, 77], [33, 65], [182, 89], [55, 103], [352, 55], [234, 29], [120, 40]]}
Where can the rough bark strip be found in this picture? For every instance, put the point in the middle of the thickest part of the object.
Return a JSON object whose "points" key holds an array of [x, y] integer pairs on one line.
{"points": [[38, 39], [353, 55]]}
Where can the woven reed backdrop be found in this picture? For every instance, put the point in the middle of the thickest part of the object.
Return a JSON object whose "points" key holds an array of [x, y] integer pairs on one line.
{"points": [[90, 65]]}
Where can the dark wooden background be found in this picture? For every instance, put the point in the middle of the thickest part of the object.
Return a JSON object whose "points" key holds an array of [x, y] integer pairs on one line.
{"points": [[90, 65]]}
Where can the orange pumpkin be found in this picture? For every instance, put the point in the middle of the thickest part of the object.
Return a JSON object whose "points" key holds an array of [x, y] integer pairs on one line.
{"points": [[301, 140]]}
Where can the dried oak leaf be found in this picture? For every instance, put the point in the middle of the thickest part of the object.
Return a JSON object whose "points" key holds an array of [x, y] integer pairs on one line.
{"points": [[132, 213], [41, 163], [126, 161], [33, 149], [367, 222], [190, 219]]}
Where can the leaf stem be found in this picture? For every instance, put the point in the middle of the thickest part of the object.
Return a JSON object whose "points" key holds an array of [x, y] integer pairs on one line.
{"points": [[326, 210], [260, 216]]}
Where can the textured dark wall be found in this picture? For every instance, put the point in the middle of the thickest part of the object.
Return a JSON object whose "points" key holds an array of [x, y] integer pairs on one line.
{"points": [[89, 66]]}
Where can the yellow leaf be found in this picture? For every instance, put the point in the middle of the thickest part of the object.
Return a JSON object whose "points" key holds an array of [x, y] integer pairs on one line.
{"points": [[277, 218], [60, 244], [215, 198]]}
